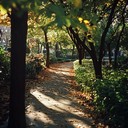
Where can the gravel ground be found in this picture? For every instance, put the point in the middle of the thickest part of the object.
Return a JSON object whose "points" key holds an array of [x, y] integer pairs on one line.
{"points": [[50, 103]]}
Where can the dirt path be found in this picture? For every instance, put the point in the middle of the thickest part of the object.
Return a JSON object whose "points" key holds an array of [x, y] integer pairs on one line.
{"points": [[50, 103]]}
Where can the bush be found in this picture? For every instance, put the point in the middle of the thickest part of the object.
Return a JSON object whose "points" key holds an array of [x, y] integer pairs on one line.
{"points": [[84, 74], [34, 64], [4, 64], [53, 59], [111, 98], [123, 62], [110, 95]]}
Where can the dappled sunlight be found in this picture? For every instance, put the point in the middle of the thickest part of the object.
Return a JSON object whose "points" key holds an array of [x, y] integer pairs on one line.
{"points": [[65, 101], [51, 105], [78, 123], [62, 70], [39, 115], [51, 111], [57, 71], [46, 100], [60, 105]]}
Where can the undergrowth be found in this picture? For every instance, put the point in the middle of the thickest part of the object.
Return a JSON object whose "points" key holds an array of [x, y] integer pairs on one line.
{"points": [[110, 95]]}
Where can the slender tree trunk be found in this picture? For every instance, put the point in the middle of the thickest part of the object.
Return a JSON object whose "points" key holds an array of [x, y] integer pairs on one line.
{"points": [[18, 54], [117, 49], [80, 54], [60, 47], [57, 49], [119, 38], [0, 35], [76, 40], [38, 47], [109, 22], [41, 48], [103, 37], [47, 58], [47, 49]]}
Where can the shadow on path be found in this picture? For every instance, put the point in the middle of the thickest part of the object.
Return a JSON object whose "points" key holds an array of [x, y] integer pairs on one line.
{"points": [[50, 103]]}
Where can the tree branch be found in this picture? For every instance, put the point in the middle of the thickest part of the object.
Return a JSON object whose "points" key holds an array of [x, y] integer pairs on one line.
{"points": [[109, 22]]}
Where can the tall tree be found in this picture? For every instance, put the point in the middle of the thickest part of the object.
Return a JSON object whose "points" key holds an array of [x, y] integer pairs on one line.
{"points": [[76, 40], [89, 45], [123, 20], [18, 51]]}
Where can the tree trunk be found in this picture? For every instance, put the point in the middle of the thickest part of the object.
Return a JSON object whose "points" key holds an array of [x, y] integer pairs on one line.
{"points": [[0, 35], [117, 48], [77, 42], [47, 55], [119, 38], [80, 54], [57, 50], [41, 48], [47, 49], [18, 54], [98, 69], [38, 47], [103, 37], [97, 66]]}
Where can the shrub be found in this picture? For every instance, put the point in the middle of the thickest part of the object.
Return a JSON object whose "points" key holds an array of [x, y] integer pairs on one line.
{"points": [[53, 59], [84, 74], [111, 98], [34, 64], [110, 95], [123, 62], [4, 64]]}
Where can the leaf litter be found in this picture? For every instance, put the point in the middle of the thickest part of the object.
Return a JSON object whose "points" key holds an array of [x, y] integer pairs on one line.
{"points": [[59, 104]]}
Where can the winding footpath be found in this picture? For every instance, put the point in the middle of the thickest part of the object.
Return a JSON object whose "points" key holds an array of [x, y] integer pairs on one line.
{"points": [[50, 103]]}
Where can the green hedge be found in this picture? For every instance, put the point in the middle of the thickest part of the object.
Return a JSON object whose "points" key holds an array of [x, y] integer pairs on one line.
{"points": [[110, 94], [111, 98], [84, 74]]}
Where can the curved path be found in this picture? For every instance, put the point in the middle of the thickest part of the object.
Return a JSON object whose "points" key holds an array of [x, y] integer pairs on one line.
{"points": [[50, 103]]}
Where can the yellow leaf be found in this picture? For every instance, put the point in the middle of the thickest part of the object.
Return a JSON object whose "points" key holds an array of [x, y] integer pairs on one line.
{"points": [[86, 22], [80, 19], [2, 10]]}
